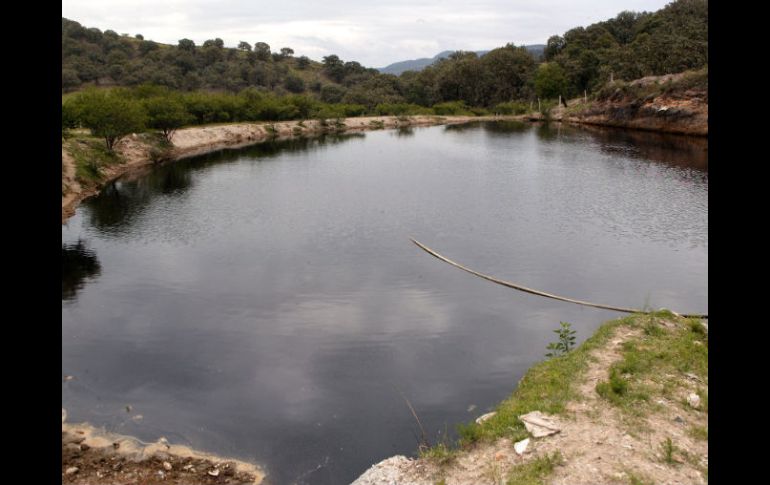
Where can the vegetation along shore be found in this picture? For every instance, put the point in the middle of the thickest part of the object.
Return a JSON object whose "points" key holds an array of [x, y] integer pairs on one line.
{"points": [[628, 406]]}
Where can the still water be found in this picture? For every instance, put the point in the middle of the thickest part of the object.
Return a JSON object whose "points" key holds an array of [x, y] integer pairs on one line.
{"points": [[267, 303]]}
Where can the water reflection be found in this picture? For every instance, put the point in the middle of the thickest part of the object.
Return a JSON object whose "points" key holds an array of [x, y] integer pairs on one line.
{"points": [[675, 150], [403, 131], [265, 303], [78, 264], [120, 203]]}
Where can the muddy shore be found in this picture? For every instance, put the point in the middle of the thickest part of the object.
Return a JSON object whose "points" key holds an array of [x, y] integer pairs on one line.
{"points": [[91, 455]]}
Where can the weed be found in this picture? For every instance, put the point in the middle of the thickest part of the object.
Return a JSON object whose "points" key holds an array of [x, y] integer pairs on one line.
{"points": [[535, 471], [699, 432], [633, 479], [667, 450], [566, 341]]}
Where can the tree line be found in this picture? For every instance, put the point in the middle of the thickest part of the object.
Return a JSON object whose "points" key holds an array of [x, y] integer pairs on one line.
{"points": [[213, 83]]}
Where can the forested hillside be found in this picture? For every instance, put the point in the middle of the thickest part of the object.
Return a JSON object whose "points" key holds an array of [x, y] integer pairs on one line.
{"points": [[629, 46]]}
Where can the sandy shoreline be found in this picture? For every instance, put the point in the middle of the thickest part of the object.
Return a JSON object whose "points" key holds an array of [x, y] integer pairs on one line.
{"points": [[199, 140]]}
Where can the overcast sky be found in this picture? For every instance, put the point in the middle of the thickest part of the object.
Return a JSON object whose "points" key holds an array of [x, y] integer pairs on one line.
{"points": [[373, 33]]}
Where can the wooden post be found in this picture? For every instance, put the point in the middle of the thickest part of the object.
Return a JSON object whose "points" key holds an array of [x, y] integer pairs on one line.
{"points": [[585, 96], [559, 101]]}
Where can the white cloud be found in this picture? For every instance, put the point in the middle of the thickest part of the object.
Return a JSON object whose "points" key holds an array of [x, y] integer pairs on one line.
{"points": [[372, 34]]}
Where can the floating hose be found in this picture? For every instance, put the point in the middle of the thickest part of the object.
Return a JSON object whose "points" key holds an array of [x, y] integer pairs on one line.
{"points": [[541, 293]]}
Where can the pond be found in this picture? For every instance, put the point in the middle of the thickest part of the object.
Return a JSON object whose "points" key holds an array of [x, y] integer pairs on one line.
{"points": [[268, 304]]}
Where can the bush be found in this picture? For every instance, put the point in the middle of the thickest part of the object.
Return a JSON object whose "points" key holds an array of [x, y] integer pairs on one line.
{"points": [[452, 108], [512, 108]]}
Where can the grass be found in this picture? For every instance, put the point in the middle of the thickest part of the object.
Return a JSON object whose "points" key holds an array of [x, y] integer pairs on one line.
{"points": [[634, 479], [90, 155], [667, 450], [535, 471], [699, 432], [655, 362], [546, 387]]}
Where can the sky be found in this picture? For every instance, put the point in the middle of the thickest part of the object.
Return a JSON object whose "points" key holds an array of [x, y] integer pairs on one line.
{"points": [[373, 33]]}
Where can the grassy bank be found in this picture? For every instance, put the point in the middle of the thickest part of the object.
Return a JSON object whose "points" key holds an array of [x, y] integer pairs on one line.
{"points": [[643, 368]]}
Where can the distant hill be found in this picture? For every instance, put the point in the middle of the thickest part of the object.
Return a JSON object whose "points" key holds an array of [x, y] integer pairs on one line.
{"points": [[419, 64]]}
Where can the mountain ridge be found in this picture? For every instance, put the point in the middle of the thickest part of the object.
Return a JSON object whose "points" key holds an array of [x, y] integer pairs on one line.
{"points": [[399, 67]]}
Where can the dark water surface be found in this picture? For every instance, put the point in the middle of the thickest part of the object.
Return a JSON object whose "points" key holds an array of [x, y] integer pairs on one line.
{"points": [[268, 304]]}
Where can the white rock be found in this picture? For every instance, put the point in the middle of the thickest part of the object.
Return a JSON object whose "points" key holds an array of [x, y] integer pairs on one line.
{"points": [[485, 417], [167, 466], [540, 424], [214, 472], [71, 470], [390, 470], [521, 446], [693, 400]]}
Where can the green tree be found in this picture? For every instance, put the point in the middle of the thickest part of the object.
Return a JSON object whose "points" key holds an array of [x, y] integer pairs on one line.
{"points": [[303, 62], [262, 50], [167, 114], [287, 52], [294, 84], [109, 115], [334, 67], [550, 81], [186, 45], [244, 46]]}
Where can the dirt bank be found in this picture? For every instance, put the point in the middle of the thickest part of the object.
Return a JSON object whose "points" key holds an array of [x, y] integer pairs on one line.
{"points": [[674, 103], [91, 456], [629, 416], [135, 152]]}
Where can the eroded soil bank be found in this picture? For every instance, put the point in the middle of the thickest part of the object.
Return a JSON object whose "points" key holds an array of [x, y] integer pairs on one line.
{"points": [[674, 103], [136, 152]]}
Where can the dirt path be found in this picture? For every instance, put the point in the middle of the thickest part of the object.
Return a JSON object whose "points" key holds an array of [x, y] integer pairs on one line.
{"points": [[599, 442]]}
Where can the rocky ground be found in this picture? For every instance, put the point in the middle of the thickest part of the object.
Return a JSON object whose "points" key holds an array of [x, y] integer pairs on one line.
{"points": [[91, 456], [674, 103]]}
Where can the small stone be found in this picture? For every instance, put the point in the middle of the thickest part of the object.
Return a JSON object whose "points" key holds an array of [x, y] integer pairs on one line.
{"points": [[693, 400], [214, 472], [68, 378], [137, 418], [128, 408], [485, 417], [71, 470], [187, 467], [499, 456], [471, 407], [540, 424], [679, 420], [167, 466], [521, 446]]}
